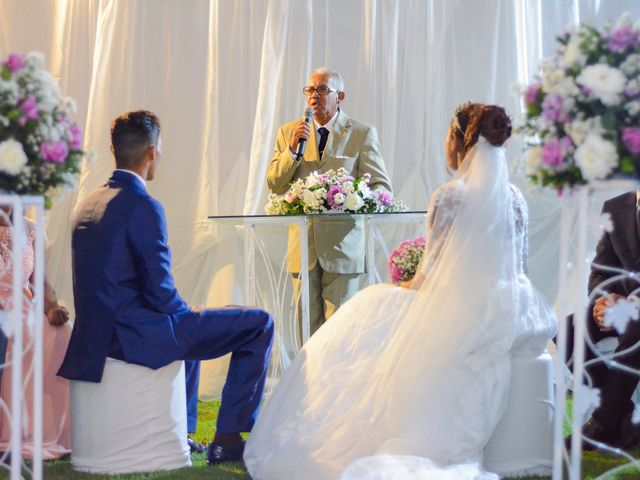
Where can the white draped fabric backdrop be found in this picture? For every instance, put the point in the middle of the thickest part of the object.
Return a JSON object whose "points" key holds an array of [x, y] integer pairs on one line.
{"points": [[223, 74]]}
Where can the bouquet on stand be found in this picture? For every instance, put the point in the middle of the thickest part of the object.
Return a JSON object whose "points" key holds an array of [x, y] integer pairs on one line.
{"points": [[40, 144], [583, 113], [332, 192], [404, 260]]}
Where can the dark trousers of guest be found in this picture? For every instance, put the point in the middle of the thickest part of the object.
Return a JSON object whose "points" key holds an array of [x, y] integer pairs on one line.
{"points": [[616, 386]]}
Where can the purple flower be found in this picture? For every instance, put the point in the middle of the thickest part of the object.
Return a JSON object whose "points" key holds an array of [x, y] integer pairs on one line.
{"points": [[384, 197], [631, 139], [622, 38], [30, 109], [553, 152], [76, 137], [532, 93], [54, 152], [15, 62], [552, 108], [333, 191]]}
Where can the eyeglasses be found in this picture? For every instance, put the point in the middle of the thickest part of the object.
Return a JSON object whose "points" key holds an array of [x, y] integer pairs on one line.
{"points": [[321, 90]]}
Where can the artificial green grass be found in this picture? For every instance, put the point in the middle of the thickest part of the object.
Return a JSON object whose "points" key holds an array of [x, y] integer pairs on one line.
{"points": [[593, 464]]}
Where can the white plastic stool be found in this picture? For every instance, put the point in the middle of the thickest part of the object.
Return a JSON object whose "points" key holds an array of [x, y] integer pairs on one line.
{"points": [[523, 441], [135, 420]]}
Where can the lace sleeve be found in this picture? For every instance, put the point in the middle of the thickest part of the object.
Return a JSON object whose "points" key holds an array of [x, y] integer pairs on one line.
{"points": [[442, 209], [521, 215]]}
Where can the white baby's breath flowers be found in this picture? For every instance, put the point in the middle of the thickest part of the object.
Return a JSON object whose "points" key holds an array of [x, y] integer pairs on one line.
{"points": [[631, 65], [12, 157], [34, 60], [596, 157], [633, 108], [70, 181], [606, 83]]}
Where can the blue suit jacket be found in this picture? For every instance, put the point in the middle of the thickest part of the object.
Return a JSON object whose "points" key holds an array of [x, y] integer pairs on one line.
{"points": [[126, 302]]}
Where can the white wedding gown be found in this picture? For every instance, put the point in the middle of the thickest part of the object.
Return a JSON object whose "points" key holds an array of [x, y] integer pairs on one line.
{"points": [[410, 384]]}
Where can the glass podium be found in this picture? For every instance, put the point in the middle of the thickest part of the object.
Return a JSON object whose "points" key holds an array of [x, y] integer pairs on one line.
{"points": [[275, 245]]}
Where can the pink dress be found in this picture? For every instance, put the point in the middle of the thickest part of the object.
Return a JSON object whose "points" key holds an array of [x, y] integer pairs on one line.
{"points": [[56, 409]]}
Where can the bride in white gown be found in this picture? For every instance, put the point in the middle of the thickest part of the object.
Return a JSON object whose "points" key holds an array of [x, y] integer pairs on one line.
{"points": [[410, 383]]}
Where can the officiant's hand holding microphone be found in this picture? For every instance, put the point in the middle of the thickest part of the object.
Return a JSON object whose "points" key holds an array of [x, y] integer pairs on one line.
{"points": [[300, 134]]}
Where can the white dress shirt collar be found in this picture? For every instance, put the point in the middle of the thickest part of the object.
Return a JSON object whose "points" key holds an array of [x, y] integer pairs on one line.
{"points": [[329, 125], [144, 183]]}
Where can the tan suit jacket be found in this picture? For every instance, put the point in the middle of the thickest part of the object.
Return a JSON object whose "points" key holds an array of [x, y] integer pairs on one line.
{"points": [[336, 242]]}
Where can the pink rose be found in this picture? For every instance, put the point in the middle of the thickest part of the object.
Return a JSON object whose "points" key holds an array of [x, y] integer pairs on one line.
{"points": [[76, 137], [15, 62], [631, 139], [54, 152], [30, 110]]}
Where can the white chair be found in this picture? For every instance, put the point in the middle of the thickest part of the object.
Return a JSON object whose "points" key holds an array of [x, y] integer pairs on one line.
{"points": [[522, 443], [134, 420]]}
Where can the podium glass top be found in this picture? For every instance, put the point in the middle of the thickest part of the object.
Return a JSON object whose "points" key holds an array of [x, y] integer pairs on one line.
{"points": [[264, 218]]}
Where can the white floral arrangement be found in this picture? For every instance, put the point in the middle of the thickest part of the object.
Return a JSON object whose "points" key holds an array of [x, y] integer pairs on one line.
{"points": [[332, 192], [583, 114], [40, 144]]}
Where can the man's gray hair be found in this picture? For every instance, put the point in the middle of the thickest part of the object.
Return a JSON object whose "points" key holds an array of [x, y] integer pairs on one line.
{"points": [[336, 78]]}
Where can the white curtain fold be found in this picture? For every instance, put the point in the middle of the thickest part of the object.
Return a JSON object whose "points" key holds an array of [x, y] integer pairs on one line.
{"points": [[224, 74]]}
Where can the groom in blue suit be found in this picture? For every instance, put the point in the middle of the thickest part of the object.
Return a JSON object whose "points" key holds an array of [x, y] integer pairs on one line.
{"points": [[127, 306]]}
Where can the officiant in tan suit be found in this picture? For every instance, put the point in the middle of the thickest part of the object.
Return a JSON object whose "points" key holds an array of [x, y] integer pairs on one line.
{"points": [[334, 140]]}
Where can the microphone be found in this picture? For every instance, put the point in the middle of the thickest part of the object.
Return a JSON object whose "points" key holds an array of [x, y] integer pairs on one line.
{"points": [[302, 143]]}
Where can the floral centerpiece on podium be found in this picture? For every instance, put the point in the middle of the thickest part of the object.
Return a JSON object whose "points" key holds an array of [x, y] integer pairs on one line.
{"points": [[583, 113], [40, 145], [332, 192]]}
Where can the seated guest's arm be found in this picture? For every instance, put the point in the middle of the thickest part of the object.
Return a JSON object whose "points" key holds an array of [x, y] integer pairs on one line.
{"points": [[148, 237], [57, 314]]}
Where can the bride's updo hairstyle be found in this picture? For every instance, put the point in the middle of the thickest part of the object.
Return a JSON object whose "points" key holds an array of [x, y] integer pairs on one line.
{"points": [[471, 120]]}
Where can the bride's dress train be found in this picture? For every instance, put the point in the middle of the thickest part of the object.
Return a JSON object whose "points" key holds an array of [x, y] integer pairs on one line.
{"points": [[414, 381]]}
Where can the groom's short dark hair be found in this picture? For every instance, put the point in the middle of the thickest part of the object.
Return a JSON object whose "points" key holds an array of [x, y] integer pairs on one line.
{"points": [[132, 134]]}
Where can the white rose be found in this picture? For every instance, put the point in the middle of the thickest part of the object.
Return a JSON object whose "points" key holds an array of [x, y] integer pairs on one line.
{"points": [[579, 129], [353, 202], [572, 54], [313, 179], [605, 82], [320, 193], [309, 197], [534, 158], [596, 157], [339, 198], [12, 157]]}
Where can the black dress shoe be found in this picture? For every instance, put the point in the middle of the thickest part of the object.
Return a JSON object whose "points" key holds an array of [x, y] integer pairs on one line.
{"points": [[194, 446], [217, 454]]}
